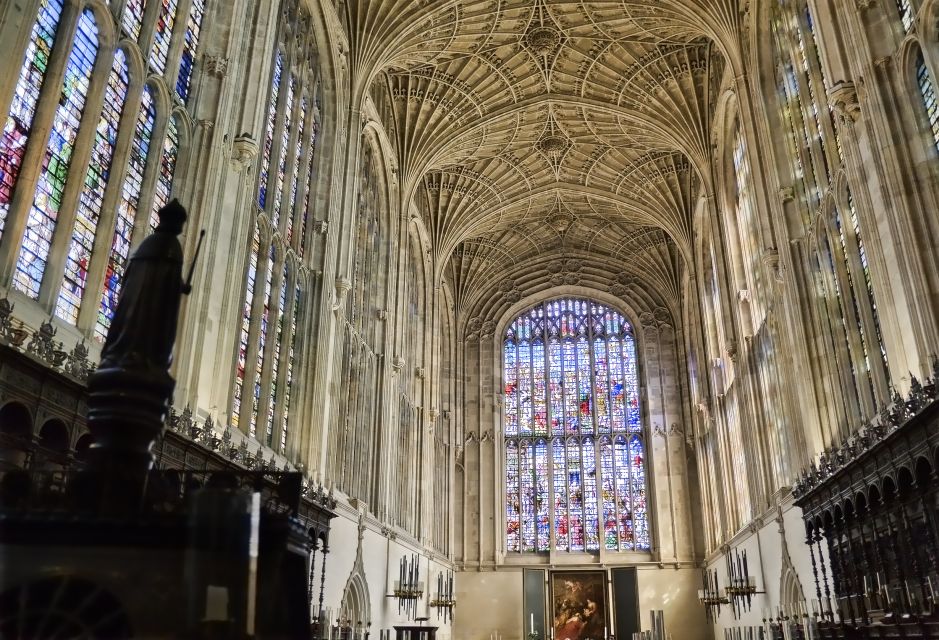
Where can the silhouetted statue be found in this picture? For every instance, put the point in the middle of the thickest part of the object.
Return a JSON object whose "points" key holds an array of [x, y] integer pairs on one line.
{"points": [[143, 329], [130, 391]]}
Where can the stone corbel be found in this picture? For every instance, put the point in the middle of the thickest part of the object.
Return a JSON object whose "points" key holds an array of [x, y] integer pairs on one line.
{"points": [[420, 372], [382, 315], [844, 98], [343, 285], [244, 150], [216, 66], [397, 364]]}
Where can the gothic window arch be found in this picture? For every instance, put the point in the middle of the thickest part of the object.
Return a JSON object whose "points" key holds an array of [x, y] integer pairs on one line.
{"points": [[845, 294], [274, 285], [65, 229], [927, 92], [575, 465]]}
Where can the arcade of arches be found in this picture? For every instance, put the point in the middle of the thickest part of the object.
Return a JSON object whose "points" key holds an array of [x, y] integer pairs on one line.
{"points": [[533, 286]]}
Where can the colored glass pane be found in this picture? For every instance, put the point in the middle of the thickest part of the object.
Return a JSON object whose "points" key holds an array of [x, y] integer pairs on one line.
{"points": [[608, 495], [296, 177], [126, 212], [44, 213], [284, 147], [526, 471], [168, 159], [92, 196], [542, 495], [907, 15], [162, 35], [294, 316], [569, 368], [190, 45], [561, 520], [262, 342], [928, 91], [132, 18], [269, 136], [19, 121], [512, 498], [250, 282], [275, 356], [305, 214]]}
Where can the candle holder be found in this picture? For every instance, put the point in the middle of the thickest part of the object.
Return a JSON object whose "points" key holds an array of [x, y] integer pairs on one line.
{"points": [[712, 596], [742, 586], [444, 601], [408, 589]]}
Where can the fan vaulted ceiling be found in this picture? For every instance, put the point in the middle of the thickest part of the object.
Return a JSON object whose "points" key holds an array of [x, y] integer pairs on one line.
{"points": [[532, 130]]}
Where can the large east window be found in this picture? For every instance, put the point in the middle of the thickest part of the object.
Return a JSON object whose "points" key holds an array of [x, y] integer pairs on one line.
{"points": [[575, 467]]}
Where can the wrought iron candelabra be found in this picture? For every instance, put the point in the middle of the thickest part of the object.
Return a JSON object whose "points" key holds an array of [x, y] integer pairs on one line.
{"points": [[711, 596], [444, 601], [742, 585], [409, 588]]}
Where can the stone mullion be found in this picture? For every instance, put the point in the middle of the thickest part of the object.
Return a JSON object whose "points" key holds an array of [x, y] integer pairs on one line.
{"points": [[761, 461], [75, 179], [104, 236], [873, 247], [833, 376], [275, 313], [840, 309], [254, 333], [24, 190], [852, 323], [147, 30]]}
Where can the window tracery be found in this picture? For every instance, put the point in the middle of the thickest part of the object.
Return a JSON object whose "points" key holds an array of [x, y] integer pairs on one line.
{"points": [[70, 198], [273, 289], [575, 475]]}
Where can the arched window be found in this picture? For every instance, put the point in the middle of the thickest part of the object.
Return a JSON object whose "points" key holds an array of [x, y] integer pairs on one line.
{"points": [[273, 292], [76, 196], [575, 468], [19, 123], [928, 92], [92, 198], [43, 215]]}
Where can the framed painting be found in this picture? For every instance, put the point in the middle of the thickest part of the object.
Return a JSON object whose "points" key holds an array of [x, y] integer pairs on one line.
{"points": [[578, 605]]}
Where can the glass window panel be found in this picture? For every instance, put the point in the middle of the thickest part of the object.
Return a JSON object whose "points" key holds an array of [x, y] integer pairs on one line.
{"points": [[590, 371], [512, 498], [19, 121], [190, 45], [284, 144], [92, 196], [250, 280], [44, 213], [309, 189], [262, 342], [928, 91], [162, 35], [126, 212], [269, 136], [168, 159], [275, 357], [132, 18], [294, 317], [561, 524]]}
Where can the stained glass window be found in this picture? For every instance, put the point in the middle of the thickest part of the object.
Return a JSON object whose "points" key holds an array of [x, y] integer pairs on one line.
{"points": [[275, 356], [297, 176], [570, 375], [294, 317], [184, 79], [132, 18], [164, 183], [928, 90], [162, 35], [43, 214], [245, 326], [19, 121], [92, 196], [284, 144], [308, 190], [907, 16], [126, 212], [262, 342], [269, 137]]}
